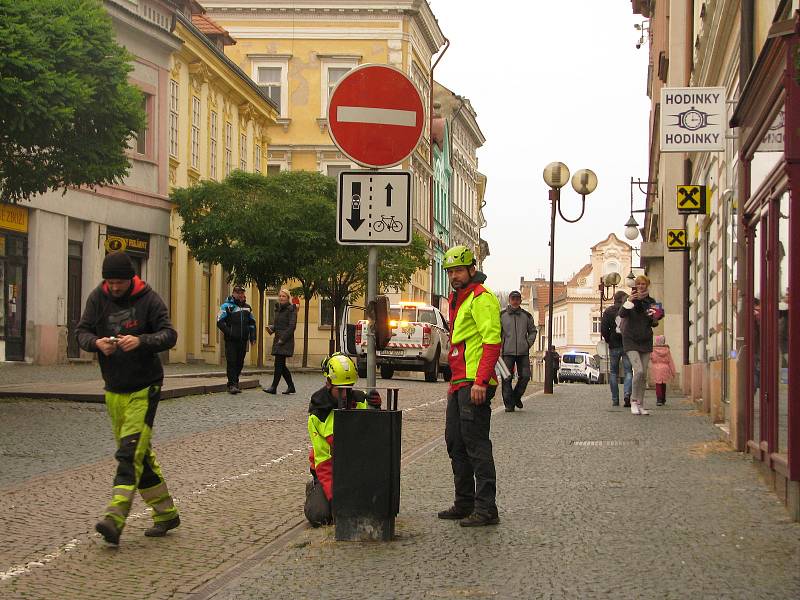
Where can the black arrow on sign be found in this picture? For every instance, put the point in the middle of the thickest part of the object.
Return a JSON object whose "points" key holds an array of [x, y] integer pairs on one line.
{"points": [[355, 219], [389, 194]]}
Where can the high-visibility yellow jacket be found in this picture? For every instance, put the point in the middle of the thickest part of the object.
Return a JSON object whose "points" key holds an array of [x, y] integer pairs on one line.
{"points": [[475, 341]]}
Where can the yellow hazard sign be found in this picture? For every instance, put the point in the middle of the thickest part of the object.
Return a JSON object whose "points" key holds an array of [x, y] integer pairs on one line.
{"points": [[677, 239], [692, 199]]}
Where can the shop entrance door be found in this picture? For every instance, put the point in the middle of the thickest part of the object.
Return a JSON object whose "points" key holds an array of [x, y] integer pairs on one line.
{"points": [[74, 268], [14, 266]]}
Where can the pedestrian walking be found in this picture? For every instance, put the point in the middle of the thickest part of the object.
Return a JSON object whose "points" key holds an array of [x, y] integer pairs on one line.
{"points": [[609, 329], [127, 324], [638, 315], [555, 361], [340, 376], [518, 334], [283, 344], [474, 350], [238, 326], [662, 368]]}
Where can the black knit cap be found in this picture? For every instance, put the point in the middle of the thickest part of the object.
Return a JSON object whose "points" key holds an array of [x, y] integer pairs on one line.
{"points": [[118, 265]]}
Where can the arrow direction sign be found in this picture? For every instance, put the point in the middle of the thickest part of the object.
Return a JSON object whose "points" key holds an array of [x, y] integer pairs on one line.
{"points": [[374, 208], [355, 219]]}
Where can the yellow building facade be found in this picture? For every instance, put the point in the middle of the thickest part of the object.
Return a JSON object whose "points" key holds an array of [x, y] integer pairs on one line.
{"points": [[218, 121], [296, 56]]}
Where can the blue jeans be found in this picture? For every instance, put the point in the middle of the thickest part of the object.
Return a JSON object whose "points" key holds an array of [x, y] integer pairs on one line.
{"points": [[613, 374]]}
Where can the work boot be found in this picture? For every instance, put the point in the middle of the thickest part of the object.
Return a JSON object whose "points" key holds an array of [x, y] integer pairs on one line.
{"points": [[453, 514], [161, 528], [270, 390], [477, 519], [109, 530], [627, 402]]}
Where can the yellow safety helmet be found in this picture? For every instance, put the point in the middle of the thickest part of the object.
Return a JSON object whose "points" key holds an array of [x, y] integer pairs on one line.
{"points": [[340, 370], [458, 256]]}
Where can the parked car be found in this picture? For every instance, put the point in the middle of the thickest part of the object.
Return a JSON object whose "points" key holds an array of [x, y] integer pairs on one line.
{"points": [[420, 341], [579, 366]]}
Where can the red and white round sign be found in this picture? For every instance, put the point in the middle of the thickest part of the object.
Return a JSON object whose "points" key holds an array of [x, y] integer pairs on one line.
{"points": [[376, 116]]}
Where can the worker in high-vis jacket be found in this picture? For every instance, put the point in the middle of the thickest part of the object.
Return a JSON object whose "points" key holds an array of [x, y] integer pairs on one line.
{"points": [[340, 376], [474, 349], [127, 324]]}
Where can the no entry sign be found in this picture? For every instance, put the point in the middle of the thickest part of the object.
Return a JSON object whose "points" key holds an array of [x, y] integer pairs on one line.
{"points": [[376, 116]]}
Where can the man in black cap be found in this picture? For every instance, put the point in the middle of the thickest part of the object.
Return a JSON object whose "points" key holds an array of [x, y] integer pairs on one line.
{"points": [[519, 334], [127, 324], [238, 325]]}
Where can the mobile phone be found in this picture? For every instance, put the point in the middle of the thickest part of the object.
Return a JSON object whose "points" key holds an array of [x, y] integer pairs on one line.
{"points": [[113, 339]]}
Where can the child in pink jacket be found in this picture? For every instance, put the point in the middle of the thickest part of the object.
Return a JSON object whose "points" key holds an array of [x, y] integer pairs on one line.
{"points": [[662, 369]]}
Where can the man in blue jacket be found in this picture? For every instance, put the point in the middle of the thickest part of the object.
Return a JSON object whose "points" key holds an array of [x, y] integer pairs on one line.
{"points": [[238, 325]]}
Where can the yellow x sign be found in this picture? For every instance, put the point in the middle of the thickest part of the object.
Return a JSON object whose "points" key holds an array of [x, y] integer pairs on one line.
{"points": [[692, 199], [676, 239]]}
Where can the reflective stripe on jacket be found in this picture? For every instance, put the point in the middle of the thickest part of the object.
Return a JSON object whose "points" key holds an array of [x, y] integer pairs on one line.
{"points": [[475, 335]]}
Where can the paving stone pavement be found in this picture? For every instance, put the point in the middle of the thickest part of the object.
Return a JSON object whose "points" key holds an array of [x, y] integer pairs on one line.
{"points": [[236, 466], [660, 509]]}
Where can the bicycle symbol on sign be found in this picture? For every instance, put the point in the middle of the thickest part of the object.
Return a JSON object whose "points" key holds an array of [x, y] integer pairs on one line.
{"points": [[387, 222]]}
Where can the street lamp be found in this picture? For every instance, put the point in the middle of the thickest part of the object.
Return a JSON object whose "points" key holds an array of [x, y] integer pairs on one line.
{"points": [[609, 281], [632, 227], [556, 175]]}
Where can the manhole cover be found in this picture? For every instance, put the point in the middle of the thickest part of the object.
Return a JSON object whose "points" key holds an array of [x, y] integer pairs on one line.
{"points": [[603, 443]]}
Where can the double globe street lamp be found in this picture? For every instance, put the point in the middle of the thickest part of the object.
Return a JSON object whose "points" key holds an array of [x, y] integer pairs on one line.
{"points": [[556, 175]]}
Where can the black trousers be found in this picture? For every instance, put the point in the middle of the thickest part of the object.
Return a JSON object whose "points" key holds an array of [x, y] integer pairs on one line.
{"points": [[281, 370], [235, 351], [523, 364], [470, 449]]}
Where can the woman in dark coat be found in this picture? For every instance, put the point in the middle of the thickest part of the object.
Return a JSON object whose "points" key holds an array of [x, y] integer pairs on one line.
{"points": [[638, 315], [283, 344]]}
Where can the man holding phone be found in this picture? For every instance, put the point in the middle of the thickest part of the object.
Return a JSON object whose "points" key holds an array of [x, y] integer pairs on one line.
{"points": [[127, 324]]}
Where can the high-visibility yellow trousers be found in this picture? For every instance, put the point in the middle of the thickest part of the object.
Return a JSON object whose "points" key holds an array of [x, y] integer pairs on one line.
{"points": [[132, 417]]}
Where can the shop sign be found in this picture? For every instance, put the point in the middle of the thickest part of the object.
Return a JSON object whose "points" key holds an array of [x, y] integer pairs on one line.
{"points": [[13, 217], [131, 242], [693, 119], [692, 199], [676, 240]]}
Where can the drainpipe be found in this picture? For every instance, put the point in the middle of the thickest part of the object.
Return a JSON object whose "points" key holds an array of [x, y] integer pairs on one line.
{"points": [[430, 157]]}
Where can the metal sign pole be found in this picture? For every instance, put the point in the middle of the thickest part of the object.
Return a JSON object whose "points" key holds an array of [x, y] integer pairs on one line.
{"points": [[372, 292]]}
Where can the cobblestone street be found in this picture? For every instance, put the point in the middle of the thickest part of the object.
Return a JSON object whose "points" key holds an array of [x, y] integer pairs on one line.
{"points": [[594, 503]]}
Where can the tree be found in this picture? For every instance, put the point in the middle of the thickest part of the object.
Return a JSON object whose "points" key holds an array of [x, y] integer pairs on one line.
{"points": [[259, 229], [67, 111], [346, 268]]}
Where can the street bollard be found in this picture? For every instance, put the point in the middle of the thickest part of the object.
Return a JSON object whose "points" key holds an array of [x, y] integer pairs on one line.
{"points": [[366, 472]]}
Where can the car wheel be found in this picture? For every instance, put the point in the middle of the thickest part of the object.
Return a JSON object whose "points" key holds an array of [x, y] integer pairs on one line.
{"points": [[387, 372], [432, 368]]}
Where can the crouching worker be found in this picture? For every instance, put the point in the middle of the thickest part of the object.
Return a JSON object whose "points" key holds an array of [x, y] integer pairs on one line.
{"points": [[340, 377]]}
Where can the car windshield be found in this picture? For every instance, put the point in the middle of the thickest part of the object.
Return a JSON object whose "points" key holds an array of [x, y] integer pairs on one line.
{"points": [[573, 359], [406, 313]]}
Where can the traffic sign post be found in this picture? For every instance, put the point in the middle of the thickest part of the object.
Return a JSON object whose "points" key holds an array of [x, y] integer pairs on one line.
{"points": [[376, 116], [374, 208]]}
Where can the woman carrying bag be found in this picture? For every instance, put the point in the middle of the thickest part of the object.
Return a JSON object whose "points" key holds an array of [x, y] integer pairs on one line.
{"points": [[638, 315], [283, 344]]}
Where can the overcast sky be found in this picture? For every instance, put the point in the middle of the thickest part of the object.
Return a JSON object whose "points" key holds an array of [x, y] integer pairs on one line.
{"points": [[550, 81]]}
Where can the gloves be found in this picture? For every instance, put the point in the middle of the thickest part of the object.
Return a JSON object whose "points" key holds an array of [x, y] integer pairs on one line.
{"points": [[374, 400]]}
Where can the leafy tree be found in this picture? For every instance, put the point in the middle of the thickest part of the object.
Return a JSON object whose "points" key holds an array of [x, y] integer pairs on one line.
{"points": [[346, 269], [67, 111], [260, 229]]}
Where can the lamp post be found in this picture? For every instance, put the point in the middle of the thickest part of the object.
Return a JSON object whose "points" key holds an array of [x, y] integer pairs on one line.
{"points": [[556, 175], [609, 281], [631, 226]]}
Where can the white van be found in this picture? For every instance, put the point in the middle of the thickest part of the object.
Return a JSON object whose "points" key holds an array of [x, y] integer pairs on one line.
{"points": [[578, 366]]}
